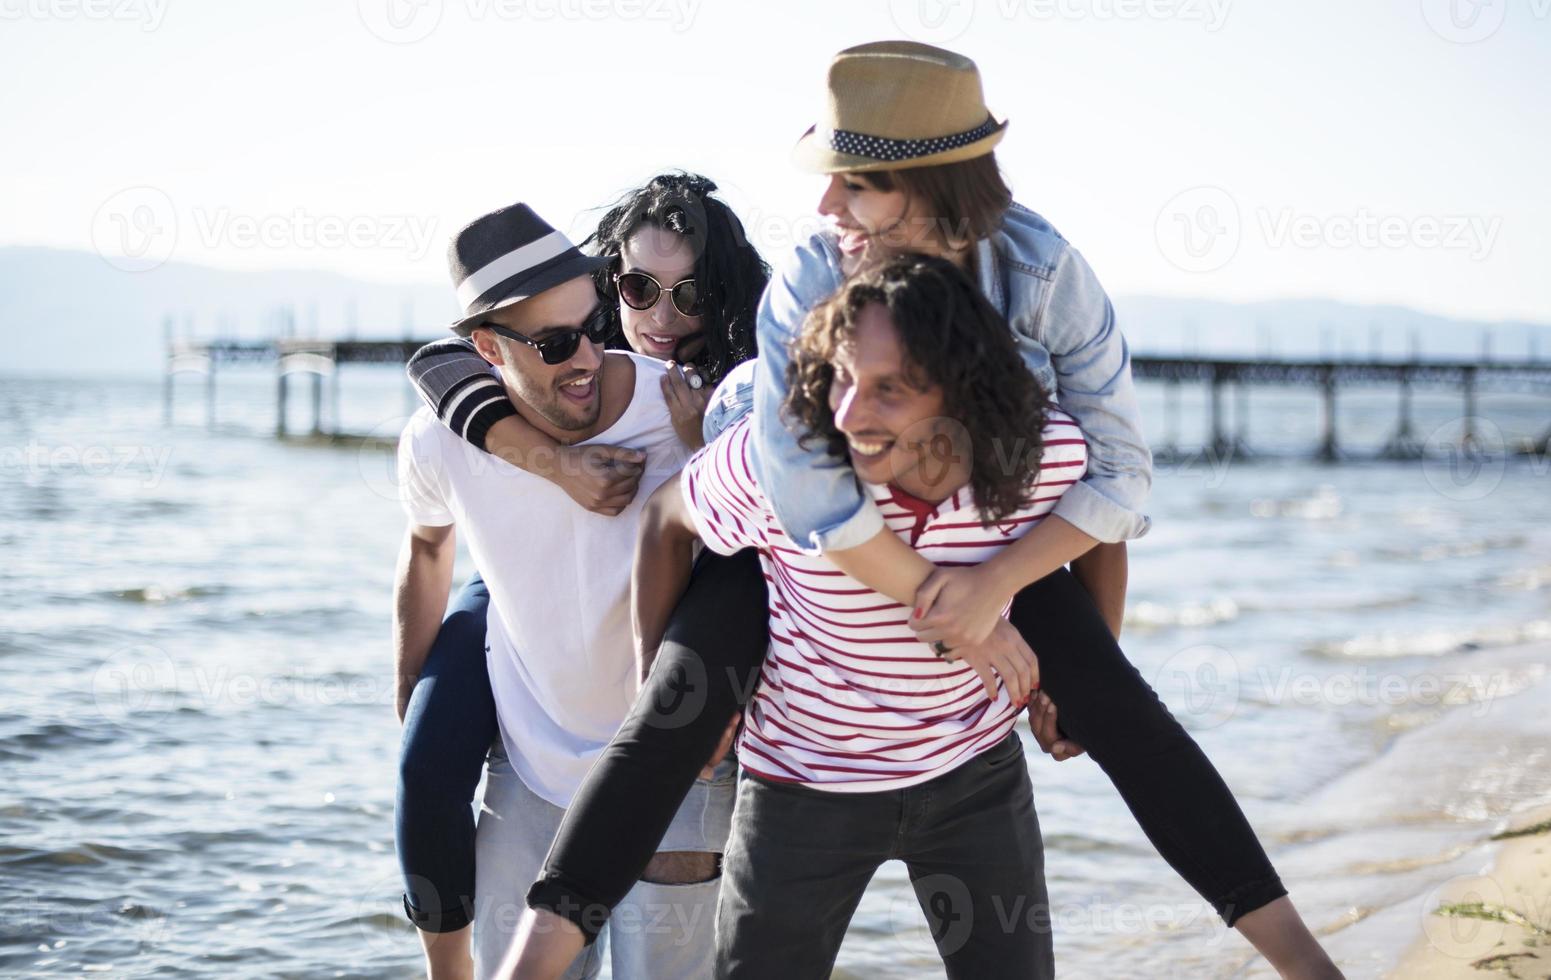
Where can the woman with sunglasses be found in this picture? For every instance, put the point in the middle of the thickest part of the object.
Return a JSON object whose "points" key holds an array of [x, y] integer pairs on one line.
{"points": [[683, 285], [907, 147]]}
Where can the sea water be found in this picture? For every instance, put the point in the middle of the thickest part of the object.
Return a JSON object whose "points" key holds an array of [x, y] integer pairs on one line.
{"points": [[198, 744]]}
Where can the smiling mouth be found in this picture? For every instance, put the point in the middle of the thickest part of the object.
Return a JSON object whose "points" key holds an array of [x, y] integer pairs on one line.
{"points": [[661, 339], [852, 239], [869, 449], [582, 389]]}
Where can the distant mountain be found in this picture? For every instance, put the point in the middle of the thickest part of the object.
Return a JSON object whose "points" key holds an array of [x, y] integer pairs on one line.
{"points": [[72, 312]]}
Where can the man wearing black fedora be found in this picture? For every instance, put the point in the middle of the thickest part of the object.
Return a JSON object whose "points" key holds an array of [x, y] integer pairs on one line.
{"points": [[559, 650]]}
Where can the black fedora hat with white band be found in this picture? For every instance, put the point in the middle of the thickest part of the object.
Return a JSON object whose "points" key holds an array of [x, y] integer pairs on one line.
{"points": [[508, 256]]}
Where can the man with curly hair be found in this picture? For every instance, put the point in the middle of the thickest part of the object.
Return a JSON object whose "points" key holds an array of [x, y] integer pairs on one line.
{"points": [[864, 744]]}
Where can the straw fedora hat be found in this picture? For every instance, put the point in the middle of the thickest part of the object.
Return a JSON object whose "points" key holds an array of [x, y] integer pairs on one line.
{"points": [[897, 104]]}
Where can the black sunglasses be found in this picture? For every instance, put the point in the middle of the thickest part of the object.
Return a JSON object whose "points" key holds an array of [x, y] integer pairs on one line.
{"points": [[641, 292], [562, 344]]}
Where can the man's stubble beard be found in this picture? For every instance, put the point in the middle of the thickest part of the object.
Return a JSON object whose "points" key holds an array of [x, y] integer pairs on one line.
{"points": [[551, 405]]}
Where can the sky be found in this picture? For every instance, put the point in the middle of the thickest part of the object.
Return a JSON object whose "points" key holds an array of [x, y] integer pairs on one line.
{"points": [[1381, 151]]}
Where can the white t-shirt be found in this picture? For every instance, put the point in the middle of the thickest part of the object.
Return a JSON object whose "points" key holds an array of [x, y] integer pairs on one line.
{"points": [[559, 647]]}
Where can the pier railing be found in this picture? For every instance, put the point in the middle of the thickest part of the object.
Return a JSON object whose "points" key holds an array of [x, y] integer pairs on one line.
{"points": [[1327, 376], [320, 360]]}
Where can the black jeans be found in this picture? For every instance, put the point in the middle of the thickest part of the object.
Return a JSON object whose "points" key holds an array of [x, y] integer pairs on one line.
{"points": [[800, 858], [708, 665]]}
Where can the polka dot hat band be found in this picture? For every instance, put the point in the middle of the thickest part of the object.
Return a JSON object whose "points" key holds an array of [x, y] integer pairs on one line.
{"points": [[883, 148], [896, 104]]}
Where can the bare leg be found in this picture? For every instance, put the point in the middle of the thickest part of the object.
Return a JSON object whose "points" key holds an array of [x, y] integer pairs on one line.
{"points": [[1279, 933], [547, 943], [448, 955]]}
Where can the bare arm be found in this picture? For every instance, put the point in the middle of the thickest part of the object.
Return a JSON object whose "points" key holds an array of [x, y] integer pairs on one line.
{"points": [[421, 585], [663, 559], [886, 564], [602, 479], [1103, 572], [977, 595]]}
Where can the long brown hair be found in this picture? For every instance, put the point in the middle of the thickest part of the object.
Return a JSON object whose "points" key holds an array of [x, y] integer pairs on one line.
{"points": [[952, 337], [964, 201]]}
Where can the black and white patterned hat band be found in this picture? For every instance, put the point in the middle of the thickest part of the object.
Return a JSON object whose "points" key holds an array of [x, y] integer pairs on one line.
{"points": [[883, 148]]}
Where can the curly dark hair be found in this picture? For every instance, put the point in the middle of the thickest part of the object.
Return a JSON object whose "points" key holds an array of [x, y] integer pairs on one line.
{"points": [[729, 270], [952, 337]]}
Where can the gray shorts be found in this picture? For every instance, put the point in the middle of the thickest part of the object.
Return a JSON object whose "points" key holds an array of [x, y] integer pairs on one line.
{"points": [[657, 931]]}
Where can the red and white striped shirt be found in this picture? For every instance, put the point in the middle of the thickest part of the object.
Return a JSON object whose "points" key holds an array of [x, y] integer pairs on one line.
{"points": [[849, 699]]}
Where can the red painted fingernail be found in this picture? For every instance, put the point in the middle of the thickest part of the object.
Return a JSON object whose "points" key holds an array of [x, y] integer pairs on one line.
{"points": [[917, 613]]}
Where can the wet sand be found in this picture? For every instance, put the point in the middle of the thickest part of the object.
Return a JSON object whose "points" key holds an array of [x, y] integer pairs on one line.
{"points": [[1441, 866], [1498, 923]]}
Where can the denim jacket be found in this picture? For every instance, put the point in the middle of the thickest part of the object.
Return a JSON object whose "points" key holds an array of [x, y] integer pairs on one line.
{"points": [[1065, 328]]}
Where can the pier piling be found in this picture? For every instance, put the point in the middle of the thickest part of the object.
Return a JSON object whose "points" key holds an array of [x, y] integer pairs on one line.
{"points": [[322, 358]]}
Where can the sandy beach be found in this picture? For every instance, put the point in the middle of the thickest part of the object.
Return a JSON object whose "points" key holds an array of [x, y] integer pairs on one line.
{"points": [[1497, 922], [1434, 860]]}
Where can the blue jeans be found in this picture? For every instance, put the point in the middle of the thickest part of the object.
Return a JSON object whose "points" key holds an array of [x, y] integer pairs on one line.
{"points": [[449, 726]]}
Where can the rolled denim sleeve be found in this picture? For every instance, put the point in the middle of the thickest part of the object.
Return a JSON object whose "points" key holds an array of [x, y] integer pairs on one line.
{"points": [[1092, 366], [814, 496]]}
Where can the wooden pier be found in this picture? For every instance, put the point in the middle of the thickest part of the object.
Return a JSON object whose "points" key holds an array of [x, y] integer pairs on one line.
{"points": [[320, 360], [1327, 376]]}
